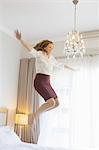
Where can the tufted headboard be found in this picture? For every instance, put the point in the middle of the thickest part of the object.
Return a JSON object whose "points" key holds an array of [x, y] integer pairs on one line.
{"points": [[3, 116]]}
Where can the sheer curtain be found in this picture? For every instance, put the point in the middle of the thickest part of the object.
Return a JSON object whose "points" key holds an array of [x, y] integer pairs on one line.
{"points": [[84, 104], [75, 123]]}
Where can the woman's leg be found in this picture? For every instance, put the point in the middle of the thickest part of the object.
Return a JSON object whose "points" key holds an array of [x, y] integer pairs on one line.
{"points": [[49, 104], [56, 104]]}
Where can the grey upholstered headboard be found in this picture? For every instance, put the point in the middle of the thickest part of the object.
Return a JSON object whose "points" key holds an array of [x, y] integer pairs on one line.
{"points": [[3, 116]]}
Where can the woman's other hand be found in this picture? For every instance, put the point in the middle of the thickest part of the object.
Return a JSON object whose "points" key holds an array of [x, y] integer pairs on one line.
{"points": [[18, 34]]}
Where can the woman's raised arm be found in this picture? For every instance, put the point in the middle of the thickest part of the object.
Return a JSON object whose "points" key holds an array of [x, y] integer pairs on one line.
{"points": [[27, 45]]}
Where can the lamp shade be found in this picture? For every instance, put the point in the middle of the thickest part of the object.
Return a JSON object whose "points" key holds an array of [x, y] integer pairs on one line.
{"points": [[21, 119]]}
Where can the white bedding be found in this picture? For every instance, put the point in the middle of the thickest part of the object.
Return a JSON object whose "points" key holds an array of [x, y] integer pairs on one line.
{"points": [[27, 146], [10, 141]]}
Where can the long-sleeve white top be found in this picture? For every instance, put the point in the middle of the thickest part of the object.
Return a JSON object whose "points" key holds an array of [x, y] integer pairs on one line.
{"points": [[43, 64]]}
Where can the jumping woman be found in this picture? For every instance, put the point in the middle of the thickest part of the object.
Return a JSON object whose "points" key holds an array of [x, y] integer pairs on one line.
{"points": [[45, 62]]}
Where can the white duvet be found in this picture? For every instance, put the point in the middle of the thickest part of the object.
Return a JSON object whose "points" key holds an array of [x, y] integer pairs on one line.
{"points": [[26, 146], [10, 141]]}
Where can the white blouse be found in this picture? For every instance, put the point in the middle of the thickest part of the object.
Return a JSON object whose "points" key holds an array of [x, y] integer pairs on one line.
{"points": [[43, 64]]}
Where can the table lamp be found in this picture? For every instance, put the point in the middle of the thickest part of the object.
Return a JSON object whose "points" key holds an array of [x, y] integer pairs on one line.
{"points": [[21, 120]]}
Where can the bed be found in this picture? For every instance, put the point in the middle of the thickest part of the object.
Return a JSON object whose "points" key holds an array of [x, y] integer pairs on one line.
{"points": [[10, 141]]}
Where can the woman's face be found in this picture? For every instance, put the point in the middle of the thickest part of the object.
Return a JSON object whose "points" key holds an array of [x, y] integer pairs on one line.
{"points": [[49, 48]]}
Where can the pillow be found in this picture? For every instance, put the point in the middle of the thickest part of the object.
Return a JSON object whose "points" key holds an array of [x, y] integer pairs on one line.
{"points": [[7, 136]]}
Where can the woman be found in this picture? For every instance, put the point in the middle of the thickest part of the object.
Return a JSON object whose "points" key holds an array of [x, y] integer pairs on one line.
{"points": [[44, 66]]}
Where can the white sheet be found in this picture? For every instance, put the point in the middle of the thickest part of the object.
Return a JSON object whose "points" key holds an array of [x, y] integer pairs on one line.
{"points": [[27, 146], [9, 140], [8, 136]]}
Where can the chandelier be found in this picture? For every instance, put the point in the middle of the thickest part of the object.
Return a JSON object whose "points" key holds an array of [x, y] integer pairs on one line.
{"points": [[74, 45]]}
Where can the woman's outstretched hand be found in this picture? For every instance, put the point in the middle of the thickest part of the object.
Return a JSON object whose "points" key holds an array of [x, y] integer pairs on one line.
{"points": [[72, 69], [18, 34]]}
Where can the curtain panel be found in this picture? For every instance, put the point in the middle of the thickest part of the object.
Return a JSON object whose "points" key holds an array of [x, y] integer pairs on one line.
{"points": [[27, 99]]}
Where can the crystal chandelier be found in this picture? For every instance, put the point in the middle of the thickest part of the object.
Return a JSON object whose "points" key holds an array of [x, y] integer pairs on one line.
{"points": [[74, 45]]}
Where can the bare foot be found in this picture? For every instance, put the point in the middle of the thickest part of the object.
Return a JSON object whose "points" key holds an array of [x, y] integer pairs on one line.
{"points": [[31, 118]]}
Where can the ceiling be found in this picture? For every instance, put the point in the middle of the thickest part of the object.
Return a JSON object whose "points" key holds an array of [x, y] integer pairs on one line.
{"points": [[41, 19]]}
